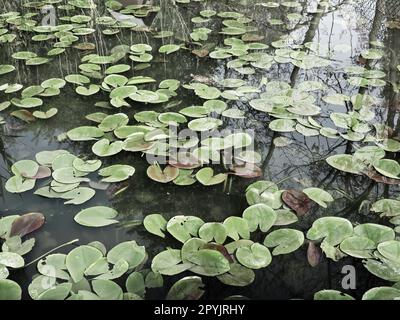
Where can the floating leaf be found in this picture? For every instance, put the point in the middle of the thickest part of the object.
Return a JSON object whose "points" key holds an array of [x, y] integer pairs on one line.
{"points": [[81, 258], [26, 224], [319, 196], [298, 201], [155, 224], [116, 173], [209, 262], [213, 231], [207, 178], [188, 288], [332, 295], [169, 48], [237, 227], [9, 290], [259, 215], [96, 217], [256, 256], [284, 241], [388, 168], [333, 229], [18, 184], [382, 293], [129, 251], [169, 174], [105, 148], [358, 247], [85, 133], [169, 263], [314, 254], [344, 162], [183, 227]]}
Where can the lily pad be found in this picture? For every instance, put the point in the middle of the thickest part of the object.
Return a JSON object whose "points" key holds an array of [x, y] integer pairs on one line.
{"points": [[256, 256], [169, 174], [284, 241], [96, 217], [260, 215]]}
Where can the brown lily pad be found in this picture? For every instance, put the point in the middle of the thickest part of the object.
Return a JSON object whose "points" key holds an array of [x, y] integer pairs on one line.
{"points": [[23, 115], [201, 53], [377, 177], [314, 254], [185, 160], [297, 201], [169, 174], [43, 172], [26, 224], [248, 170]]}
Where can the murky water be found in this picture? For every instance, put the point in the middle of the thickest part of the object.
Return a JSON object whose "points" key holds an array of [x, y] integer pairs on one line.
{"points": [[300, 165]]}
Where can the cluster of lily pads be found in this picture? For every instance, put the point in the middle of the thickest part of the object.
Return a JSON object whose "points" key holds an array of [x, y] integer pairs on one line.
{"points": [[65, 173], [12, 231]]}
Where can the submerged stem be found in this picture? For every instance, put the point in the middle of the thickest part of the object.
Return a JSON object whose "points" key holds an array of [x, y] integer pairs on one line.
{"points": [[52, 250]]}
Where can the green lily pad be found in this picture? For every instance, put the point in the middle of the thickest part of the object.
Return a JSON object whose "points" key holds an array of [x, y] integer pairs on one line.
{"points": [[237, 228], [282, 125], [85, 133], [382, 293], [332, 295], [79, 195], [86, 165], [388, 168], [345, 162], [213, 231], [18, 184], [260, 215], [188, 288], [6, 68], [390, 250], [207, 178], [256, 256], [155, 224], [238, 276], [81, 258], [204, 124], [169, 263], [129, 251], [319, 196], [183, 228], [96, 217], [45, 114], [169, 48], [25, 168], [358, 247], [209, 263], [333, 229], [375, 232], [10, 290], [105, 148], [284, 241], [116, 173]]}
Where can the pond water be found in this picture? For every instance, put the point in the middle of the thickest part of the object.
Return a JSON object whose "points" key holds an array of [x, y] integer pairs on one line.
{"points": [[342, 30]]}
